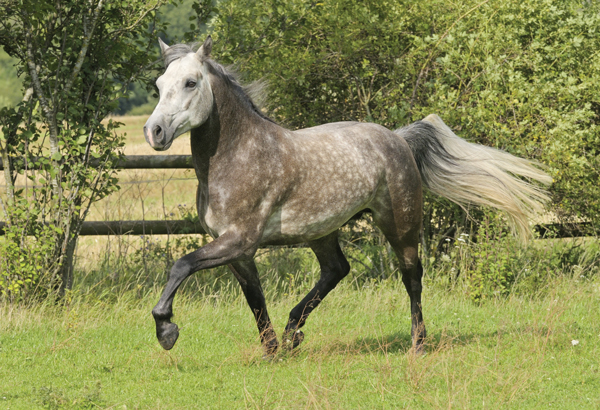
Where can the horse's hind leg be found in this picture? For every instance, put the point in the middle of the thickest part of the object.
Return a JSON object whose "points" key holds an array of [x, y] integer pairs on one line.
{"points": [[406, 249], [334, 267], [247, 275], [412, 274], [404, 238]]}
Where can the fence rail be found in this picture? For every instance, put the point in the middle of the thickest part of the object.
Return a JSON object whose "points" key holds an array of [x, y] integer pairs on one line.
{"points": [[106, 228], [182, 227], [566, 230], [134, 162], [185, 227]]}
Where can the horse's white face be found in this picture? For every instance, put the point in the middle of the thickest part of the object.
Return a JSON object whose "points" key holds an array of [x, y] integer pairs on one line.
{"points": [[186, 98]]}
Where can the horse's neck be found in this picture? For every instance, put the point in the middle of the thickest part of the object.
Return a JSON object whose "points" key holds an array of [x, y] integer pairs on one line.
{"points": [[231, 123]]}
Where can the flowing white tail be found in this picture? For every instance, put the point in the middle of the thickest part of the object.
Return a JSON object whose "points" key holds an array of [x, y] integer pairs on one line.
{"points": [[468, 173]]}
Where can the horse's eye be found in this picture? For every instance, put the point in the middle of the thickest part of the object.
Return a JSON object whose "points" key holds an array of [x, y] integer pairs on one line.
{"points": [[190, 84]]}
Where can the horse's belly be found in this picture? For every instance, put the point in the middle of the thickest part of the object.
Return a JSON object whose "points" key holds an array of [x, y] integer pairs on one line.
{"points": [[298, 222], [299, 230]]}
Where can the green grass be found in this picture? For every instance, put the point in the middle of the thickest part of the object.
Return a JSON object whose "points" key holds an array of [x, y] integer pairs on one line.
{"points": [[506, 353]]}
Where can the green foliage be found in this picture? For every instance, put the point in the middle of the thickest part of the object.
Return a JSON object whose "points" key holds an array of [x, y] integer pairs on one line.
{"points": [[492, 264], [326, 61], [9, 82], [77, 58], [522, 76], [24, 262], [185, 19], [492, 269]]}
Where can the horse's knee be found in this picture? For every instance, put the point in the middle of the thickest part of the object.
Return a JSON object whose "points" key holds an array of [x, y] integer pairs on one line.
{"points": [[162, 313], [419, 269], [416, 286], [412, 277]]}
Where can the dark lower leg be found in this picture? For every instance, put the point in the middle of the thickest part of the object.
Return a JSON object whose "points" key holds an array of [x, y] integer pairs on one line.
{"points": [[412, 281], [404, 204], [247, 275], [334, 267], [167, 332], [300, 312], [221, 251]]}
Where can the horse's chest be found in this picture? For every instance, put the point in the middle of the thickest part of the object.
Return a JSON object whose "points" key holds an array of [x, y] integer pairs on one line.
{"points": [[223, 205], [206, 215]]}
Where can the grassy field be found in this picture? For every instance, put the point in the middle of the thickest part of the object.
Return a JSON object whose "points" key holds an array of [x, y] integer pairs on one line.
{"points": [[507, 353]]}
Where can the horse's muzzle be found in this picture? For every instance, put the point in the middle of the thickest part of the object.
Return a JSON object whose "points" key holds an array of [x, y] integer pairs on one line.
{"points": [[157, 137]]}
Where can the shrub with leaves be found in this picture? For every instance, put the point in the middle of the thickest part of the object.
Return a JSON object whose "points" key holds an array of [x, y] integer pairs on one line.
{"points": [[490, 262], [491, 269], [23, 262]]}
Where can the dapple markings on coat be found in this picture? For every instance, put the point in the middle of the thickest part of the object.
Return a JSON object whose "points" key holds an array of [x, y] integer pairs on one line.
{"points": [[261, 184]]}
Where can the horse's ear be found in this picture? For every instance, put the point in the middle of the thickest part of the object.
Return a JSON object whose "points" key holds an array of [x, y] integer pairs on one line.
{"points": [[204, 51], [163, 46]]}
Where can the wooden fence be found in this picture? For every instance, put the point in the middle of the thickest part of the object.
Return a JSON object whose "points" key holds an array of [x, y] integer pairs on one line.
{"points": [[164, 227], [181, 227]]}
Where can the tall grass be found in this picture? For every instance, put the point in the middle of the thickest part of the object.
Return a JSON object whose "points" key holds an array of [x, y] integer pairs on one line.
{"points": [[504, 352]]}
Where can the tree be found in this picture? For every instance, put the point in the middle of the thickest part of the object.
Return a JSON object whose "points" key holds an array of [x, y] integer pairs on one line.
{"points": [[76, 57]]}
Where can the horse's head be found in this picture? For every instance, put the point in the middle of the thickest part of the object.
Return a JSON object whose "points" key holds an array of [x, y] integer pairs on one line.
{"points": [[186, 98]]}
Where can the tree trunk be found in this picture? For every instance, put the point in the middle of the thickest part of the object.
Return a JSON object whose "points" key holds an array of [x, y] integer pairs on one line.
{"points": [[66, 270]]}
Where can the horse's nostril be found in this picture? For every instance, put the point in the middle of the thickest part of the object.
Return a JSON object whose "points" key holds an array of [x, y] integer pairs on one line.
{"points": [[157, 130]]}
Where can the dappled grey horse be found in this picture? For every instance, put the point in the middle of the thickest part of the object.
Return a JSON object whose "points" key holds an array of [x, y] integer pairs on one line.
{"points": [[261, 184]]}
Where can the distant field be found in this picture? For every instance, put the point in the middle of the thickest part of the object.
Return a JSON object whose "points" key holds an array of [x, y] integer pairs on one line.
{"points": [[158, 193], [160, 190], [144, 194], [518, 353]]}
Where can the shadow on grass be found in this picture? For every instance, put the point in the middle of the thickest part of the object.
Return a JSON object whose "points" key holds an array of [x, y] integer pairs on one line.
{"points": [[401, 343]]}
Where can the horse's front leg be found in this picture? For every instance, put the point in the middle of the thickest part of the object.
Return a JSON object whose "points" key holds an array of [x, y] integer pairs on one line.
{"points": [[247, 274], [225, 249]]}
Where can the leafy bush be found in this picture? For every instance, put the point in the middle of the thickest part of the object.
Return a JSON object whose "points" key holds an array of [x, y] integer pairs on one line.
{"points": [[494, 260], [24, 263], [492, 263]]}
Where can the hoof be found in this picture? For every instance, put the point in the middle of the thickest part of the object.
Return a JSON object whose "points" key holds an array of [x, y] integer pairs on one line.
{"points": [[420, 350], [271, 349], [269, 357], [167, 334], [292, 339]]}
